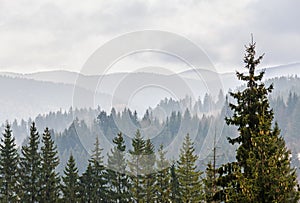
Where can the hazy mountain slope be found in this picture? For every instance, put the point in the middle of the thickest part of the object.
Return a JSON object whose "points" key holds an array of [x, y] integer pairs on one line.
{"points": [[22, 98], [108, 83], [138, 90], [283, 70], [229, 79], [25, 95]]}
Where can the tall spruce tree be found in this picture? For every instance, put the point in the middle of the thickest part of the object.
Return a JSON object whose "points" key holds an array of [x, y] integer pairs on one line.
{"points": [[174, 185], [162, 184], [9, 158], [70, 186], [50, 180], [188, 176], [138, 145], [262, 172], [148, 172], [119, 185], [30, 168], [87, 192], [99, 174]]}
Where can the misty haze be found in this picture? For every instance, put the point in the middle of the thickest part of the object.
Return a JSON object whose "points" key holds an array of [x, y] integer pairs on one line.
{"points": [[149, 102]]}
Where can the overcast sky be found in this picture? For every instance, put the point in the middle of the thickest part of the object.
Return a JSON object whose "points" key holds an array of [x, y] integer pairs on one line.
{"points": [[40, 35]]}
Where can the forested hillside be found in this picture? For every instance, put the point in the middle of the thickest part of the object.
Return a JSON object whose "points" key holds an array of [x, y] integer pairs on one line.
{"points": [[176, 152], [167, 123]]}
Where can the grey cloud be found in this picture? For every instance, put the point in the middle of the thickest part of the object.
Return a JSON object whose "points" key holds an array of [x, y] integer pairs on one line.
{"points": [[277, 16], [63, 31]]}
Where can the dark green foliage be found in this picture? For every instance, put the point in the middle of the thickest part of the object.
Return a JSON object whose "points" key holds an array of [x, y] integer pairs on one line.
{"points": [[262, 172], [142, 169], [9, 158], [188, 176], [118, 180], [87, 191], [99, 173], [93, 182], [135, 166], [272, 178], [70, 186], [148, 172], [30, 168], [210, 184], [162, 184], [174, 185], [50, 180]]}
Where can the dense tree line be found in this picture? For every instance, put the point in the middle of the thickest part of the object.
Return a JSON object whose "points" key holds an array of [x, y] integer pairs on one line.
{"points": [[69, 132], [68, 135], [31, 176], [261, 172]]}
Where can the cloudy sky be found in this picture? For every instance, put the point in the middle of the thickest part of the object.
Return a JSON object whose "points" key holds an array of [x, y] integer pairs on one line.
{"points": [[38, 35]]}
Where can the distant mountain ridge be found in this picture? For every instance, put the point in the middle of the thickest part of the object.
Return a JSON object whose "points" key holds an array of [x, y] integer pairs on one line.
{"points": [[25, 95], [23, 98], [69, 77]]}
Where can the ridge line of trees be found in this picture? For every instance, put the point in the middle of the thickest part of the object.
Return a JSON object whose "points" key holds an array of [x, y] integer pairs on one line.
{"points": [[262, 171], [31, 176]]}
